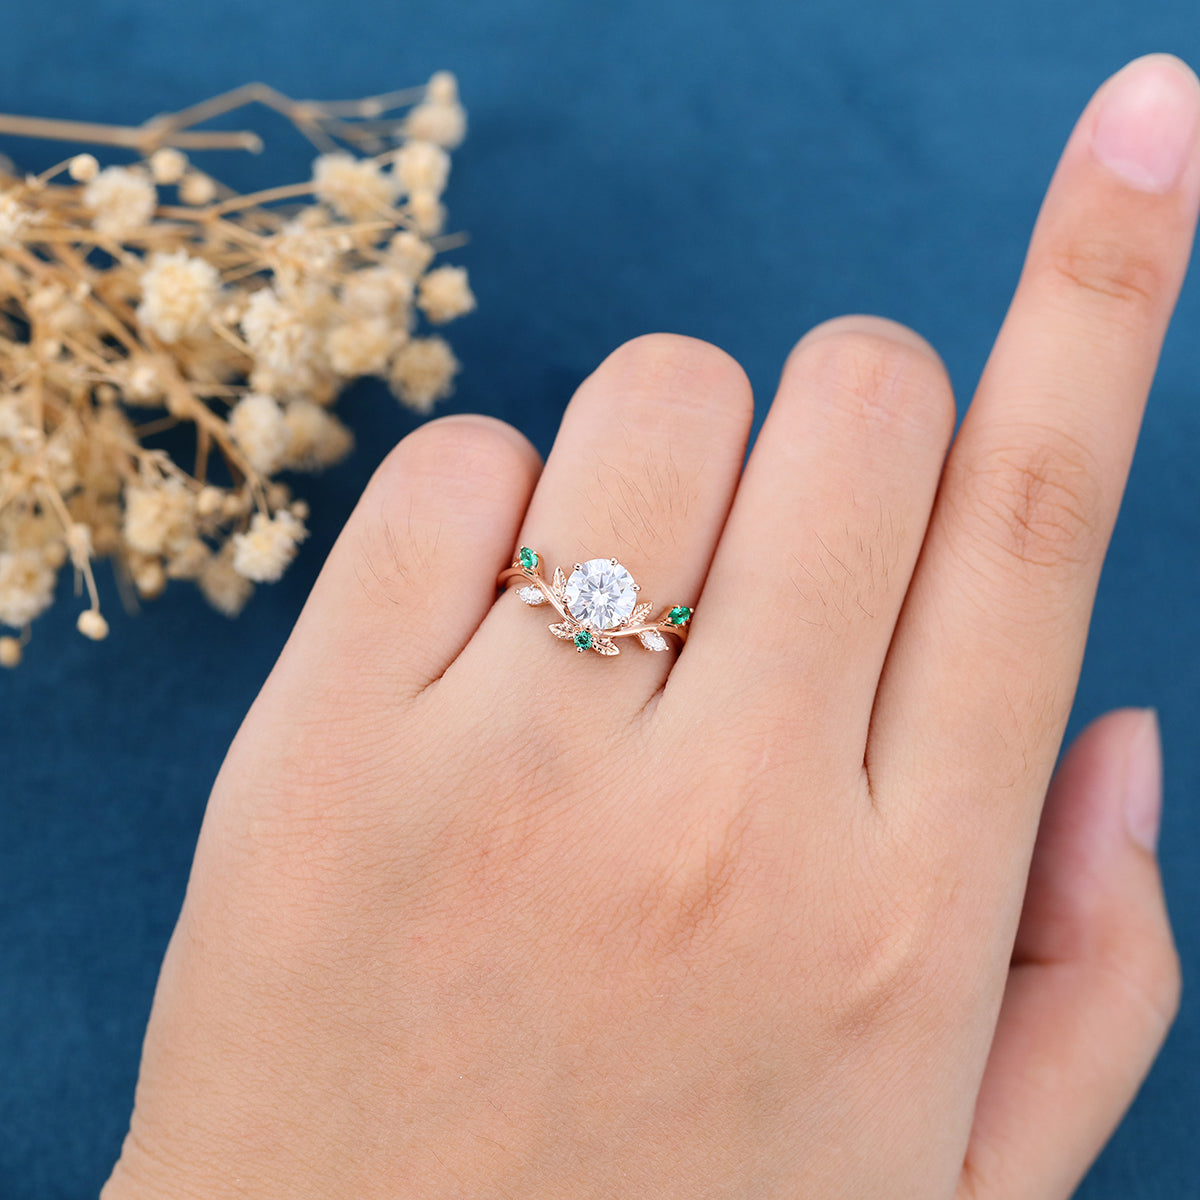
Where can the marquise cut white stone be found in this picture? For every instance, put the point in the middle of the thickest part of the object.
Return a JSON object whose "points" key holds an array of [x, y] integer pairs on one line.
{"points": [[600, 594], [532, 595], [652, 639]]}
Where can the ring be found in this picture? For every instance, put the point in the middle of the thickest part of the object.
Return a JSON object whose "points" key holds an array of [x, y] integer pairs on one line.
{"points": [[598, 603]]}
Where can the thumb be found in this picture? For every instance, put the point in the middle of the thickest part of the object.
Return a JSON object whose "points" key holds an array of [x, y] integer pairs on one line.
{"points": [[1094, 982]]}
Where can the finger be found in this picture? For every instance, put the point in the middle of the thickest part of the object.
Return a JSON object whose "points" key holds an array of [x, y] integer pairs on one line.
{"points": [[413, 572], [806, 585], [1094, 983], [987, 652], [642, 470]]}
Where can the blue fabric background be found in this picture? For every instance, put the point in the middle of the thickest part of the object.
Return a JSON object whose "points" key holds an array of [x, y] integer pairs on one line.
{"points": [[736, 172]]}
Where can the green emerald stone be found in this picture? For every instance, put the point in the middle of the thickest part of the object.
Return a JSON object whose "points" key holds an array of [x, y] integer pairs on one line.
{"points": [[582, 640], [527, 558], [679, 615]]}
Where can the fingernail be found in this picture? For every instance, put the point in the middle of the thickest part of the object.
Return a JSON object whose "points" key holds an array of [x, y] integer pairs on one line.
{"points": [[1143, 783], [1147, 122]]}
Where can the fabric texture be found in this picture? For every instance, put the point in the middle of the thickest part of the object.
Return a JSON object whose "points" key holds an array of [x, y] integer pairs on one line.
{"points": [[736, 172]]}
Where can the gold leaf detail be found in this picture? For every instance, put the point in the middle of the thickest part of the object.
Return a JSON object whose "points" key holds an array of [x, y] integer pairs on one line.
{"points": [[559, 586], [605, 646], [640, 613], [562, 630]]}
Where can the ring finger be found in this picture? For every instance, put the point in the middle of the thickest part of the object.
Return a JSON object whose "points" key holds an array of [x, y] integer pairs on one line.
{"points": [[642, 470]]}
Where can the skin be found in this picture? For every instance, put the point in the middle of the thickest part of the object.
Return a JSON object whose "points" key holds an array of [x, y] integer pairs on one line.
{"points": [[798, 911]]}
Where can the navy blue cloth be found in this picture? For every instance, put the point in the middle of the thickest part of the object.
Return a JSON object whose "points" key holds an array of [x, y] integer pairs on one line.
{"points": [[736, 172]]}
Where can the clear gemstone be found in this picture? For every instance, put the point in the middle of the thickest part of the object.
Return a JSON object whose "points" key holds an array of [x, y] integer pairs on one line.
{"points": [[532, 595], [652, 639], [600, 593]]}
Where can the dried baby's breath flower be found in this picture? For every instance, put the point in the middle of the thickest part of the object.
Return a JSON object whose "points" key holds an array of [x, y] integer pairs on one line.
{"points": [[361, 347], [123, 200], [423, 371], [409, 254], [10, 652], [167, 165], [92, 625], [83, 168], [26, 586], [428, 212], [422, 166], [444, 294], [439, 117], [316, 438], [263, 553], [159, 517], [258, 427], [223, 587], [357, 188], [179, 293], [197, 188], [14, 217], [146, 297]]}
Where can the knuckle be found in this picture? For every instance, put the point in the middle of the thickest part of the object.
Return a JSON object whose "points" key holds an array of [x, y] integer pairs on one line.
{"points": [[680, 372], [1149, 970], [872, 377], [1035, 501], [464, 453], [1107, 270]]}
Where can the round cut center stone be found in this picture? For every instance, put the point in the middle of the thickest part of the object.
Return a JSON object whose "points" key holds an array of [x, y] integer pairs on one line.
{"points": [[600, 593]]}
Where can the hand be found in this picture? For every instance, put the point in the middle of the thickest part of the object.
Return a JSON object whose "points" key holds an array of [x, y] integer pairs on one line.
{"points": [[473, 915]]}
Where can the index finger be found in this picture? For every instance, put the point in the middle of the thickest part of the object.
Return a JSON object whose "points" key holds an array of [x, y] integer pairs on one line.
{"points": [[985, 659]]}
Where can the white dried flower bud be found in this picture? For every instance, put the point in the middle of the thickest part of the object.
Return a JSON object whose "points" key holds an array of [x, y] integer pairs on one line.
{"points": [[167, 164], [422, 372], [208, 501], [422, 166], [428, 213], [409, 253], [318, 439], [356, 188], [222, 586], [197, 189], [54, 554], [122, 200], [299, 509], [149, 578], [79, 543], [190, 561], [378, 292], [14, 219], [440, 121], [279, 495], [83, 168], [14, 416], [442, 88], [361, 347], [29, 439], [265, 551], [235, 504], [179, 294], [92, 625], [143, 383], [260, 431], [277, 334], [301, 249], [444, 294], [26, 586], [10, 652], [159, 518]]}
